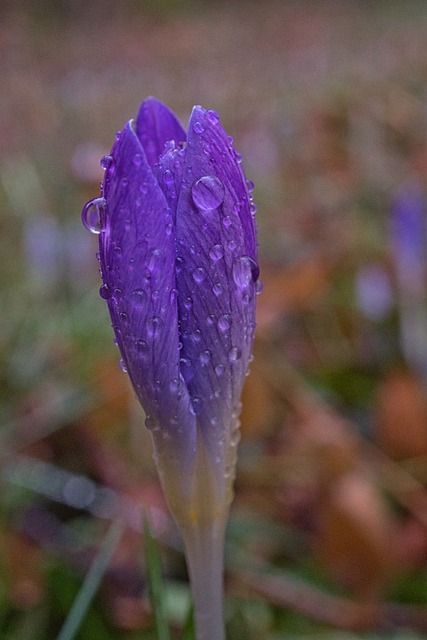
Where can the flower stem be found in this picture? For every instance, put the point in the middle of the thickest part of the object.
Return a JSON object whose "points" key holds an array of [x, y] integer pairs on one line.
{"points": [[204, 550]]}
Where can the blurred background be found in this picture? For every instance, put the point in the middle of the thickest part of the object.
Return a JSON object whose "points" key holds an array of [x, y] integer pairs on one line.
{"points": [[327, 102]]}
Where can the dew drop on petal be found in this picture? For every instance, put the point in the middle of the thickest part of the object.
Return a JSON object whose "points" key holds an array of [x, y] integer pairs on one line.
{"points": [[92, 214], [217, 289], [154, 258], [106, 162], [139, 297], [227, 222], [212, 116], [198, 127], [122, 366], [245, 270], [105, 292], [199, 275], [137, 159], [154, 325], [196, 336], [141, 346], [234, 354], [168, 176], [219, 370], [151, 423], [216, 252], [224, 323], [174, 385], [207, 193], [259, 287], [188, 303], [117, 293], [205, 357]]}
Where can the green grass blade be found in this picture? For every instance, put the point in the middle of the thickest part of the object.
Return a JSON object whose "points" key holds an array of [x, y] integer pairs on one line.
{"points": [[188, 628], [91, 583], [154, 573]]}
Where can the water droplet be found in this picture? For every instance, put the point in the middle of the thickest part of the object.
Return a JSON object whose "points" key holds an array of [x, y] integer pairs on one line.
{"points": [[124, 317], [259, 287], [143, 188], [232, 245], [227, 222], [253, 209], [137, 159], [154, 325], [179, 263], [196, 336], [210, 320], [216, 252], [219, 370], [169, 229], [155, 255], [141, 346], [118, 133], [238, 156], [198, 127], [188, 303], [168, 176], [174, 385], [234, 354], [250, 185], [151, 423], [106, 162], [155, 296], [199, 275], [245, 270], [123, 366], [196, 405], [139, 297], [217, 289], [105, 292], [173, 295], [205, 357], [237, 207], [207, 193], [92, 215], [224, 323], [124, 183], [212, 116], [117, 293]]}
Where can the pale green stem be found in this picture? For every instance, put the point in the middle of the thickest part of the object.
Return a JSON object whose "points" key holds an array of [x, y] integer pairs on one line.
{"points": [[204, 550], [200, 506]]}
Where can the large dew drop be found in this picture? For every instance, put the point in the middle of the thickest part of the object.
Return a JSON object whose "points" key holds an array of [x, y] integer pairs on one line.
{"points": [[207, 193], [245, 270], [92, 214]]}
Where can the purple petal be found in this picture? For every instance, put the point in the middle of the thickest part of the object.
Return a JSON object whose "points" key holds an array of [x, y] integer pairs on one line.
{"points": [[216, 273], [156, 124], [137, 253]]}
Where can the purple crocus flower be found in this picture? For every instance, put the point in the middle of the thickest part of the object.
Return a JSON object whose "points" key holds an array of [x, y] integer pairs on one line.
{"points": [[178, 255]]}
